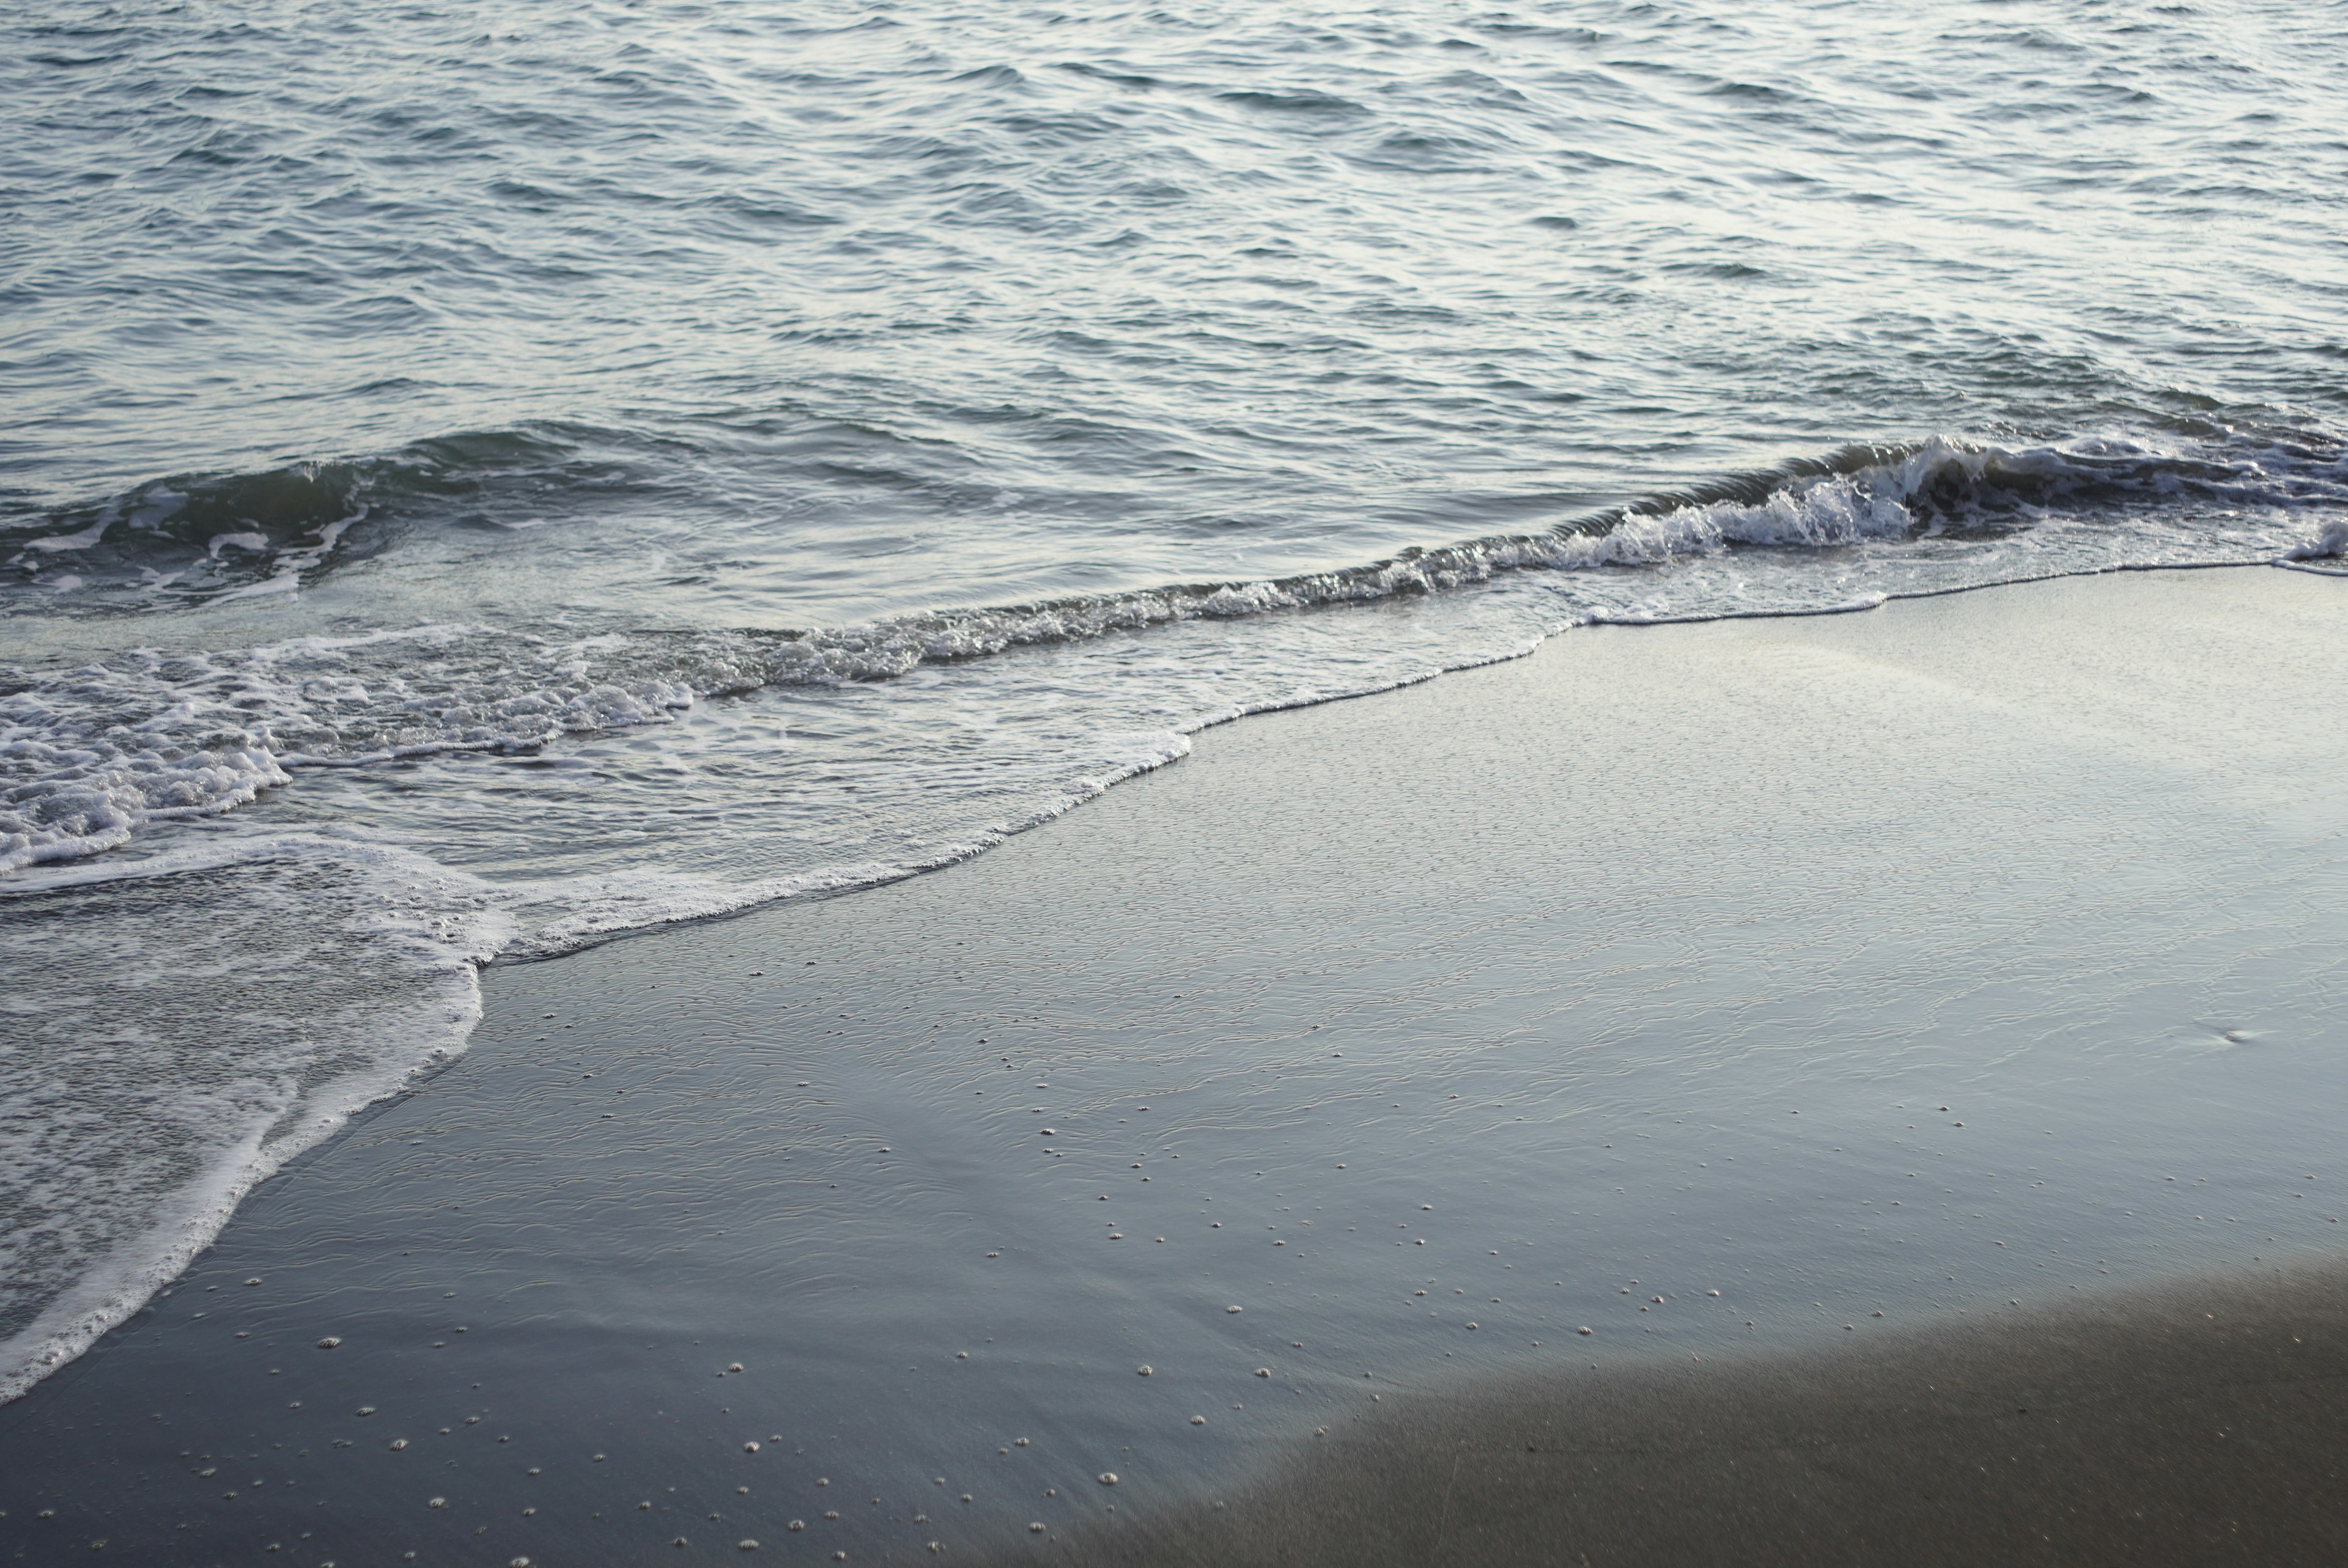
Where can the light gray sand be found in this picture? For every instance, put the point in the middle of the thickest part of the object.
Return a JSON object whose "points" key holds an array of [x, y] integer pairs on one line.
{"points": [[1643, 967]]}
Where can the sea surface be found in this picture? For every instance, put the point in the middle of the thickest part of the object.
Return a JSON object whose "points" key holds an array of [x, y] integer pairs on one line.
{"points": [[479, 480]]}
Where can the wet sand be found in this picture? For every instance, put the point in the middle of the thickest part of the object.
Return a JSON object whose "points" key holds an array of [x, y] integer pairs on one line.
{"points": [[2199, 1423], [1960, 972]]}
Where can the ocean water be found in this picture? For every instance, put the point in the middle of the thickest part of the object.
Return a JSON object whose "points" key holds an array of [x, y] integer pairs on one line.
{"points": [[476, 481]]}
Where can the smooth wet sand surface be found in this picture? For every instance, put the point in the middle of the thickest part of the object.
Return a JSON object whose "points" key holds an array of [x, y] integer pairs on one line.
{"points": [[2204, 1423], [1955, 972]]}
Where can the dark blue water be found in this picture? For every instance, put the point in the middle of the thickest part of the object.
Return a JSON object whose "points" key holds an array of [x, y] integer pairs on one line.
{"points": [[472, 482]]}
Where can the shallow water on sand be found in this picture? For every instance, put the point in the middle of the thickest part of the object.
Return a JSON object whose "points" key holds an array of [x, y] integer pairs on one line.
{"points": [[1932, 969]]}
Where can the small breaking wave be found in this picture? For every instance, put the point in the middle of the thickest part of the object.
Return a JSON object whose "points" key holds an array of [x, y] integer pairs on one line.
{"points": [[189, 538], [88, 754], [1934, 488], [195, 537]]}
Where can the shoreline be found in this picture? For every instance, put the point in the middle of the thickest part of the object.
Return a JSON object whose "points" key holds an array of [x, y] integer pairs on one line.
{"points": [[2062, 856], [73, 1322]]}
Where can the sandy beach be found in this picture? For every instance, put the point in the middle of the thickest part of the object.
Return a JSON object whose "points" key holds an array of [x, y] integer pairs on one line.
{"points": [[1858, 1088], [2199, 1422]]}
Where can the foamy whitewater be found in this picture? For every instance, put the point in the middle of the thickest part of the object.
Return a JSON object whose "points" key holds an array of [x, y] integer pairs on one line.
{"points": [[487, 487]]}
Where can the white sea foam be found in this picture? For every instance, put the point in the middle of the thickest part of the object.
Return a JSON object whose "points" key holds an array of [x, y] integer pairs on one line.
{"points": [[180, 1028], [2330, 544], [89, 754]]}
